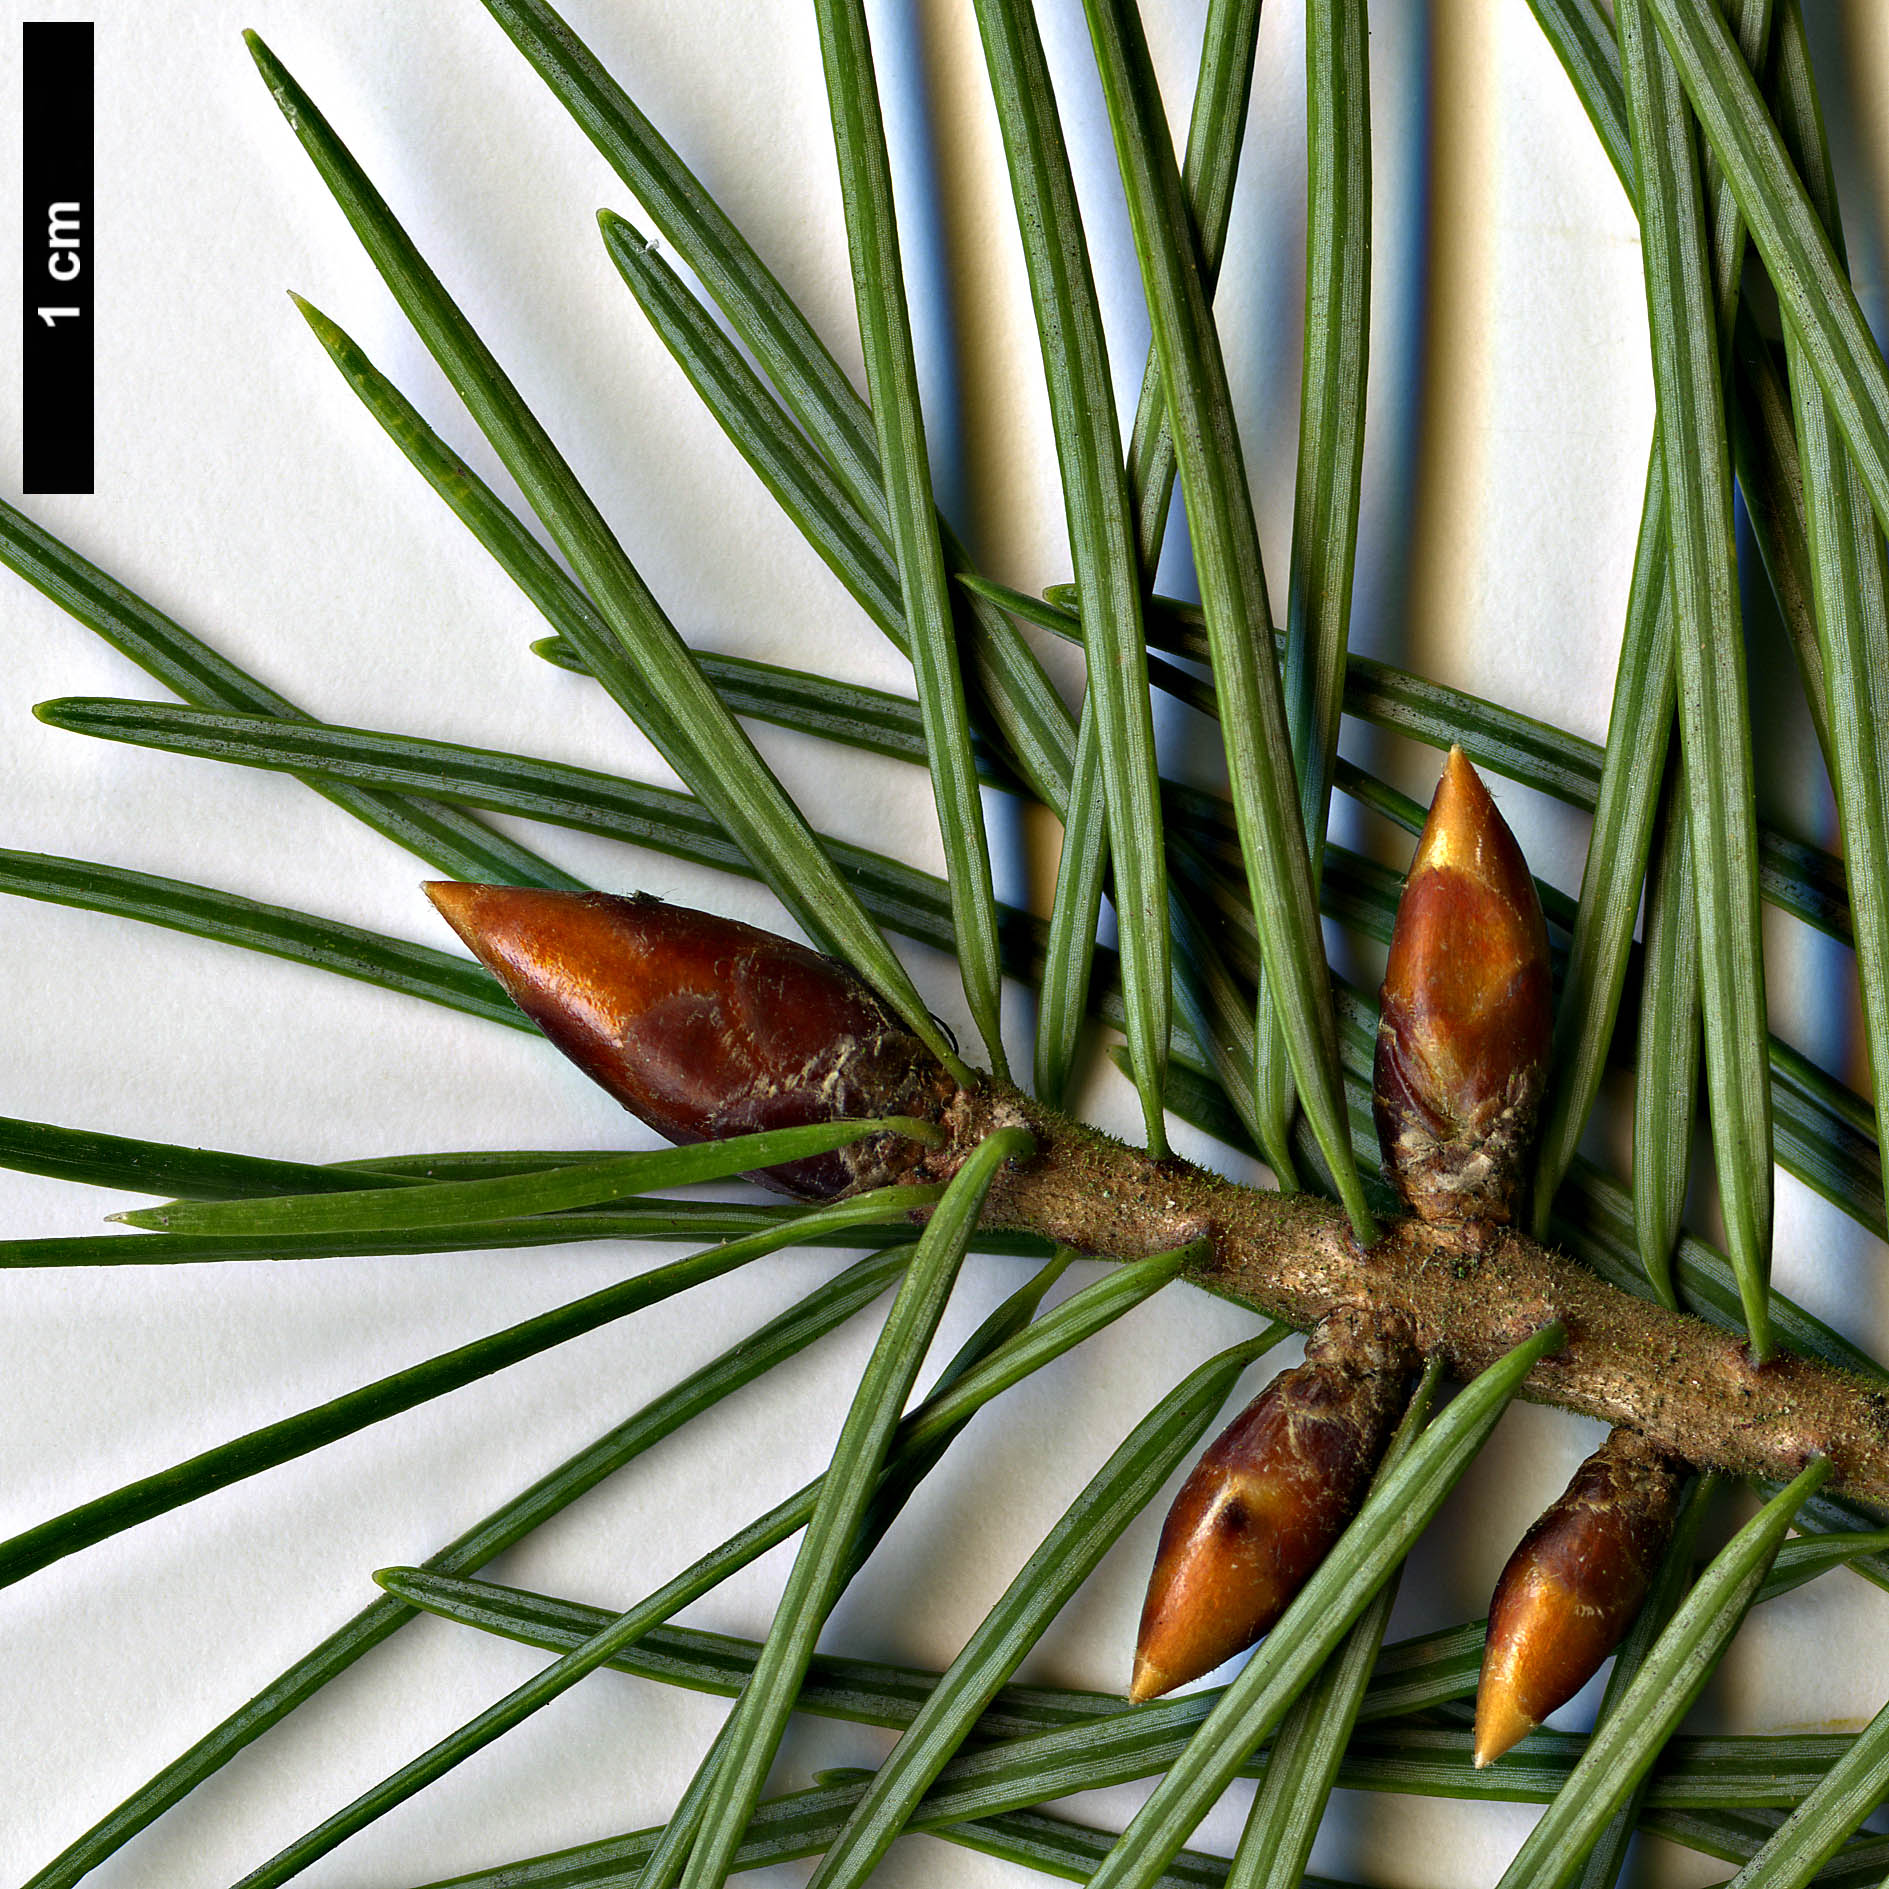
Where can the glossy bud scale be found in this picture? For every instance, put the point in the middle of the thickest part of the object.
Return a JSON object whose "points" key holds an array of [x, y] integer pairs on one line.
{"points": [[1572, 1588], [705, 1027], [1268, 1499], [1467, 1014]]}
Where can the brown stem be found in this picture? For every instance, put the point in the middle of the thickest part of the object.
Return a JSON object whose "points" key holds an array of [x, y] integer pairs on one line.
{"points": [[1684, 1384]]}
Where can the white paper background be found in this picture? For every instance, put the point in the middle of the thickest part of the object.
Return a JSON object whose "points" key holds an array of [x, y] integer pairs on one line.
{"points": [[242, 488]]}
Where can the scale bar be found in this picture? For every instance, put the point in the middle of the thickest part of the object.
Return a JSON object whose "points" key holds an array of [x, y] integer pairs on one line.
{"points": [[56, 253]]}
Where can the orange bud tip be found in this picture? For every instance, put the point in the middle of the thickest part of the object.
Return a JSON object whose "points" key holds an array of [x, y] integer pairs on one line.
{"points": [[1572, 1588], [1267, 1500], [1467, 1014], [454, 900], [1502, 1726], [705, 1027]]}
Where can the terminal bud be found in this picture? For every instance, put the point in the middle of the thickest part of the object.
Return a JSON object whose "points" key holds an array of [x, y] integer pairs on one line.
{"points": [[1268, 1499], [1467, 1015], [705, 1027], [1572, 1588]]}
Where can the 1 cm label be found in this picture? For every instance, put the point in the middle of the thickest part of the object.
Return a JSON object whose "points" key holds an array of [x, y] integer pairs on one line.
{"points": [[65, 255]]}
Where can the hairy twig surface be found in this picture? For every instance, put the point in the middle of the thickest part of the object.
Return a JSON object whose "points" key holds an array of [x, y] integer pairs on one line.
{"points": [[1685, 1384]]}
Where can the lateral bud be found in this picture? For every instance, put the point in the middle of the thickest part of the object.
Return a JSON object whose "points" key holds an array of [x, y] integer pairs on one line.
{"points": [[1467, 1015], [1572, 1587], [1269, 1497], [705, 1027]]}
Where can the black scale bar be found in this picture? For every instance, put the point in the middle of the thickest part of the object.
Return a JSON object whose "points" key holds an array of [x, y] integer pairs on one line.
{"points": [[56, 251]]}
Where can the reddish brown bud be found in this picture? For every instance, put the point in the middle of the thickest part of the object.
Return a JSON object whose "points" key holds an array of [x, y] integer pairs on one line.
{"points": [[1462, 1043], [1572, 1588], [1267, 1500], [704, 1027]]}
